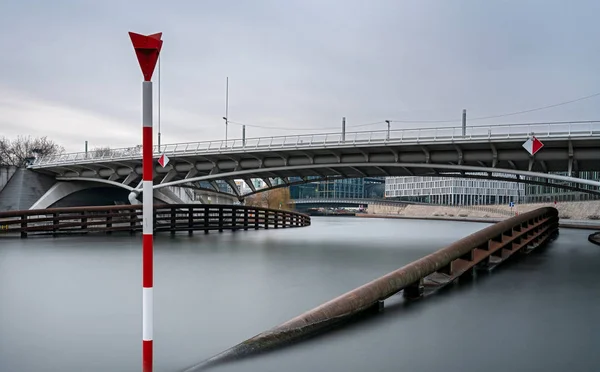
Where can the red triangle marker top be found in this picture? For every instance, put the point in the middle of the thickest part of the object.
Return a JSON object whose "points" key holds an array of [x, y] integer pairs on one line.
{"points": [[147, 49]]}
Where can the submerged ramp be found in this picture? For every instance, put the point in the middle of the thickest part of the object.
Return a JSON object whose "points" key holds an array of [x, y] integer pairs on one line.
{"points": [[487, 247]]}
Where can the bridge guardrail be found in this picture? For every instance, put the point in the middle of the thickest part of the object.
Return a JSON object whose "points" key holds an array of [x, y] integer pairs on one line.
{"points": [[319, 140]]}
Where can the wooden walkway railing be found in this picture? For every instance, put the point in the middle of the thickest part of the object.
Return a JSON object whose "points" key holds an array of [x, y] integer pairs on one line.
{"points": [[168, 217]]}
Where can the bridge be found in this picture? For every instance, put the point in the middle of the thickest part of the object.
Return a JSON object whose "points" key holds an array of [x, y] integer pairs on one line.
{"points": [[491, 152]]}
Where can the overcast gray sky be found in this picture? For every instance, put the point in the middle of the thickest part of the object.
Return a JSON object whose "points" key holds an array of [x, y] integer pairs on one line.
{"points": [[68, 69]]}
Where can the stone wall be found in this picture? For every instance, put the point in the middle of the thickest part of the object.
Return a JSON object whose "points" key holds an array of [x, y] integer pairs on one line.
{"points": [[583, 210]]}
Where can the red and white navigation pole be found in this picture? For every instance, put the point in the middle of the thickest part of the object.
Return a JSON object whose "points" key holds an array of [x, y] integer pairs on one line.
{"points": [[147, 50]]}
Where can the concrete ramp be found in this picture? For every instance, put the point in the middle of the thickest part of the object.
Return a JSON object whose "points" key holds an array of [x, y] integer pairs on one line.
{"points": [[6, 173], [23, 189]]}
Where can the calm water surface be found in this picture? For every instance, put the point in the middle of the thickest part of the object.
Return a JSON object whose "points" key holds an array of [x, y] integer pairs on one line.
{"points": [[74, 303]]}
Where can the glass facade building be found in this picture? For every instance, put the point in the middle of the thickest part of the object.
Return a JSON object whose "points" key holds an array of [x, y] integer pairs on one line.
{"points": [[548, 193], [453, 191], [348, 188], [469, 191]]}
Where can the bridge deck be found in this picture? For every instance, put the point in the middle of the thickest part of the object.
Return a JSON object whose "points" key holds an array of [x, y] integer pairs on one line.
{"points": [[442, 135], [484, 152]]}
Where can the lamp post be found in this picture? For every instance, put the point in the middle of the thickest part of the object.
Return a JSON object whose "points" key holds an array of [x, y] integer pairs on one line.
{"points": [[464, 123], [159, 134], [388, 129], [226, 117]]}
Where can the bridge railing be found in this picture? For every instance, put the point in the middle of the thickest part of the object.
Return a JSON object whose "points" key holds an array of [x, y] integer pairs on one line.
{"points": [[319, 140], [171, 218]]}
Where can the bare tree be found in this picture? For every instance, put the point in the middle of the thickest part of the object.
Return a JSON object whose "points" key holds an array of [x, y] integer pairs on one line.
{"points": [[4, 151], [101, 152], [274, 199], [18, 151]]}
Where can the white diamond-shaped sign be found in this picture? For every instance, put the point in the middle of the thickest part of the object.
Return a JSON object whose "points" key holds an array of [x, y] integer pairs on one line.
{"points": [[163, 160], [533, 145]]}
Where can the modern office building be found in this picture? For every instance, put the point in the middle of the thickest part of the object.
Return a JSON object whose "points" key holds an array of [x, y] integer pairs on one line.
{"points": [[453, 191], [468, 191], [546, 193], [349, 188]]}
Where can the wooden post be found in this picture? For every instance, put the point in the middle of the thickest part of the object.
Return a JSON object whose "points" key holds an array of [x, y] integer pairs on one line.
{"points": [[206, 219], [173, 220], [220, 219], [245, 218], [55, 222], [133, 215], [108, 222], [84, 224], [191, 221], [23, 226], [233, 218]]}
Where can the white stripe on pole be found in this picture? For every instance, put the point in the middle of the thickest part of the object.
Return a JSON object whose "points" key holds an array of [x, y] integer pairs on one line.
{"points": [[147, 215], [147, 104], [148, 312]]}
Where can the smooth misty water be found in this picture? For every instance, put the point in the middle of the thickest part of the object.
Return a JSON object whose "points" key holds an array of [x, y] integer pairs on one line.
{"points": [[74, 303]]}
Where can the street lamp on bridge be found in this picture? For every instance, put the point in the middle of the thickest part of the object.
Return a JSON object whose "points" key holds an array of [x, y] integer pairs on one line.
{"points": [[226, 117], [388, 130]]}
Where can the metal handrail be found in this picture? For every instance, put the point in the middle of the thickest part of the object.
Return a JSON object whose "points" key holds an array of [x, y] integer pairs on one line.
{"points": [[332, 140]]}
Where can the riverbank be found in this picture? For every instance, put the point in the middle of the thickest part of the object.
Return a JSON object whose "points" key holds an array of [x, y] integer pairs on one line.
{"points": [[571, 224]]}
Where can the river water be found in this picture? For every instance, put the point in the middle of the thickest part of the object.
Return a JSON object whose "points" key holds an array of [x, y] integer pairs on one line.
{"points": [[74, 303]]}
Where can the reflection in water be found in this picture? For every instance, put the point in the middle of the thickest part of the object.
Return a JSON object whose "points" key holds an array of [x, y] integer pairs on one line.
{"points": [[75, 303]]}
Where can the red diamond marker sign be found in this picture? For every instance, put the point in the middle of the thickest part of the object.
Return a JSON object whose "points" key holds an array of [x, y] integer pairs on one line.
{"points": [[147, 49], [163, 160], [533, 145]]}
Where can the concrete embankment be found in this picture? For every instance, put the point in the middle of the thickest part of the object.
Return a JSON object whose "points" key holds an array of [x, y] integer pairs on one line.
{"points": [[569, 224], [584, 215]]}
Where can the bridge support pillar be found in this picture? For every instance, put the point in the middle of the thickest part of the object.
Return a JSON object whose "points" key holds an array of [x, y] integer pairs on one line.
{"points": [[414, 290], [377, 307], [468, 274]]}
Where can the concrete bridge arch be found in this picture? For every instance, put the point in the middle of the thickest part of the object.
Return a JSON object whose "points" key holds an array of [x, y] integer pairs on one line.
{"points": [[95, 192]]}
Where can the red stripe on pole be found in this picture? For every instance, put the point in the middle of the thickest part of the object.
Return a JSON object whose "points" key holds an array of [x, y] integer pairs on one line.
{"points": [[147, 171], [147, 261], [147, 356]]}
